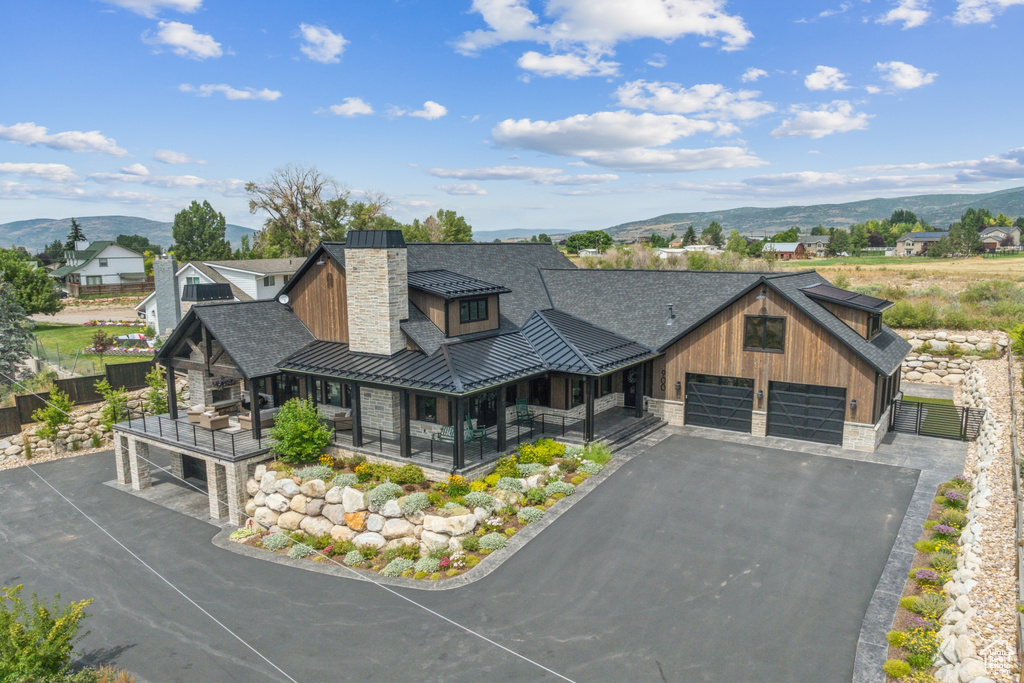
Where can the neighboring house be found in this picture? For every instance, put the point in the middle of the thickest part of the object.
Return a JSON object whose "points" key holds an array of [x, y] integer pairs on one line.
{"points": [[102, 267], [815, 245], [786, 251], [589, 253], [426, 349], [246, 280], [999, 238], [916, 243]]}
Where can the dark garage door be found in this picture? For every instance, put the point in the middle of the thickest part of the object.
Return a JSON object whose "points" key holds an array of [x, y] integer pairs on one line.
{"points": [[806, 411], [719, 402]]}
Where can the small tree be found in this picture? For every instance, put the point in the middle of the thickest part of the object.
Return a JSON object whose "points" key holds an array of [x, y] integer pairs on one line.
{"points": [[101, 342], [299, 432], [54, 415], [115, 404], [156, 397], [36, 641], [14, 335]]}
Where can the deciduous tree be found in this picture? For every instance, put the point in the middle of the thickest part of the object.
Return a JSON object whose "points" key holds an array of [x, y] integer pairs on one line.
{"points": [[34, 289], [199, 234], [737, 242], [591, 239]]}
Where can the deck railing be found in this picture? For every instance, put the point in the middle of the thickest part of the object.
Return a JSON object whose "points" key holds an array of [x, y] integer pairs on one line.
{"points": [[190, 434]]}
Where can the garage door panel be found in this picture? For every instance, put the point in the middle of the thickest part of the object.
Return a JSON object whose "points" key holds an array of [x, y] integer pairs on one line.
{"points": [[719, 402], [807, 412]]}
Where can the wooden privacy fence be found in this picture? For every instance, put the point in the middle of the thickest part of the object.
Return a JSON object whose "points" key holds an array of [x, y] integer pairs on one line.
{"points": [[10, 423], [81, 390], [28, 404]]}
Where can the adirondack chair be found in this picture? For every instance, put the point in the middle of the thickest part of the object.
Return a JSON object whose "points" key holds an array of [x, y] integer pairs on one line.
{"points": [[473, 433], [523, 414], [447, 434]]}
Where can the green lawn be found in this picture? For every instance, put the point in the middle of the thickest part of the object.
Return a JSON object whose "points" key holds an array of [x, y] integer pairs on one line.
{"points": [[68, 339]]}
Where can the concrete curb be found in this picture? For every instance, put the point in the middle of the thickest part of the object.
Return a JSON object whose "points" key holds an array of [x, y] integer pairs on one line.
{"points": [[487, 565]]}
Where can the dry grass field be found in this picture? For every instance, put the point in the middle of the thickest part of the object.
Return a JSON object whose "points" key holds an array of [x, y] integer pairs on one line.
{"points": [[953, 274]]}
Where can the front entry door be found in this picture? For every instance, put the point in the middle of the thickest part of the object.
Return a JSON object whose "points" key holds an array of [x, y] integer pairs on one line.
{"points": [[629, 379]]}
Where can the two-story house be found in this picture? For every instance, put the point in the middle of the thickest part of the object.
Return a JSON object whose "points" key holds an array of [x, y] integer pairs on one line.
{"points": [[916, 243], [102, 267], [997, 238]]}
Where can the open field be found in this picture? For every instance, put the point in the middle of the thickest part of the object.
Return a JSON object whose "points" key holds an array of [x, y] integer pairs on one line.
{"points": [[952, 273]]}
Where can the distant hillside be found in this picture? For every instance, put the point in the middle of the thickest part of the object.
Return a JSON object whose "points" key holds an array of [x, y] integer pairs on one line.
{"points": [[36, 233], [938, 209], [513, 234]]}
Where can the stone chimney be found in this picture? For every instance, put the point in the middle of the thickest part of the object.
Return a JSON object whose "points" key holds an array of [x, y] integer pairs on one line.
{"points": [[377, 282], [168, 301]]}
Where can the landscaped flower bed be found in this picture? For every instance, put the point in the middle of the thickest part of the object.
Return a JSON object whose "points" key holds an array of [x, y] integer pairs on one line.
{"points": [[115, 323], [914, 641], [390, 519]]}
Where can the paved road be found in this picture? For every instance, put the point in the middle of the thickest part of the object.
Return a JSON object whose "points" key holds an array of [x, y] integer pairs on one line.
{"points": [[78, 315], [696, 561]]}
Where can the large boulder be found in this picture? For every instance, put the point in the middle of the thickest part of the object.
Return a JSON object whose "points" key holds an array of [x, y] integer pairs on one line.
{"points": [[266, 517], [461, 525], [287, 487], [260, 499], [250, 508], [261, 469], [434, 540], [353, 499], [335, 513], [340, 533], [251, 486], [298, 503], [316, 526], [334, 495], [356, 520], [391, 509], [399, 542], [971, 669], [277, 502], [268, 482], [374, 522], [314, 488], [369, 538], [397, 528], [314, 507], [290, 520]]}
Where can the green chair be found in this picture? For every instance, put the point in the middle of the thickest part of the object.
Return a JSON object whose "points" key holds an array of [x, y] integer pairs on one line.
{"points": [[446, 435], [523, 414], [473, 433]]}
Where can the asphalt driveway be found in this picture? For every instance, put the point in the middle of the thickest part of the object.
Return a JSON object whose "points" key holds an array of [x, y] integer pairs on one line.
{"points": [[697, 561]]}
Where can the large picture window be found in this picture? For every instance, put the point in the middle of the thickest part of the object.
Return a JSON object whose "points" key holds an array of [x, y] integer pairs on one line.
{"points": [[764, 333], [473, 310]]}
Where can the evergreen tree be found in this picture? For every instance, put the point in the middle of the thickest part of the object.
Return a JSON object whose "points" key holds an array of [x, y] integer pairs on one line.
{"points": [[838, 242], [14, 336], [690, 236], [713, 234], [75, 235]]}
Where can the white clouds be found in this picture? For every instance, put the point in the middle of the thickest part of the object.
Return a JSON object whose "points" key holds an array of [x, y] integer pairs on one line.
{"points": [[571, 65], [706, 100], [912, 13], [872, 89], [71, 141], [431, 110], [903, 76], [167, 156], [206, 90], [826, 78], [752, 74], [981, 11], [135, 169], [184, 40], [149, 8], [321, 44], [57, 173], [657, 60], [622, 140], [837, 117], [537, 175], [463, 189], [228, 186], [350, 107]]}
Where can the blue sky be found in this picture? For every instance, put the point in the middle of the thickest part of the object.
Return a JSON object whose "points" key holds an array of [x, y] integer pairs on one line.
{"points": [[558, 115]]}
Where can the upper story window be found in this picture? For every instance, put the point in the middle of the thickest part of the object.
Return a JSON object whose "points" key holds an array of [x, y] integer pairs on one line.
{"points": [[103, 263], [473, 310], [764, 333], [268, 281], [874, 325], [192, 281]]}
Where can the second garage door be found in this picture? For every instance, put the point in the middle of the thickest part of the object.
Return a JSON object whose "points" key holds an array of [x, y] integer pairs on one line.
{"points": [[719, 402], [806, 411]]}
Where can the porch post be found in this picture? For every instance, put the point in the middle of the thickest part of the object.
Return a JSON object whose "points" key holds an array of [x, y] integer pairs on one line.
{"points": [[502, 429], [641, 373], [588, 415], [459, 448], [405, 437], [254, 409], [172, 393], [357, 417]]}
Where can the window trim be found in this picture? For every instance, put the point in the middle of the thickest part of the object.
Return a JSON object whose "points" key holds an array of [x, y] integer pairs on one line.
{"points": [[764, 333], [874, 325], [464, 305], [191, 280], [268, 281], [422, 411], [90, 280], [104, 263]]}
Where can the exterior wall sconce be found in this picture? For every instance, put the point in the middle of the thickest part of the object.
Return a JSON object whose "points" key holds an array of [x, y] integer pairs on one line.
{"points": [[760, 394], [853, 406], [321, 262], [679, 387]]}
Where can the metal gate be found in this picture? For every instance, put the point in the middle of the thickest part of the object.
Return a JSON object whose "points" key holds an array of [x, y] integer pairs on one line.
{"points": [[806, 411], [941, 420], [719, 402]]}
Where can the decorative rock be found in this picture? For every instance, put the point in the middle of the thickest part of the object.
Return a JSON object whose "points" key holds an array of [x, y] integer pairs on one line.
{"points": [[298, 504], [963, 603], [250, 508], [953, 379], [341, 533], [265, 517], [353, 499], [369, 538], [435, 523], [931, 378], [536, 481], [314, 507], [415, 517], [316, 526], [260, 499], [267, 482], [971, 669], [314, 488], [260, 471], [391, 509], [277, 502], [434, 540], [397, 528], [964, 648], [287, 487], [356, 520], [374, 523], [455, 543], [480, 514], [290, 520], [461, 524], [334, 496], [252, 487], [335, 513], [399, 542], [913, 375]]}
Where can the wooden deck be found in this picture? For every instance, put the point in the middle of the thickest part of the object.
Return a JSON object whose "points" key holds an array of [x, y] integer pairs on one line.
{"points": [[232, 443]]}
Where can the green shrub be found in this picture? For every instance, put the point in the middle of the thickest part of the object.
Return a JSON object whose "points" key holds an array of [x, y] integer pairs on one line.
{"points": [[276, 541], [344, 480], [556, 487], [36, 640], [76, 444], [414, 503], [454, 509], [321, 472], [953, 518], [95, 440], [896, 638], [479, 499], [506, 467], [908, 603], [926, 546], [590, 467], [239, 534], [419, 576], [436, 576], [54, 415], [920, 661], [470, 544], [920, 315], [528, 469], [536, 496], [943, 562], [299, 551], [300, 433], [929, 525], [543, 452], [577, 480], [596, 452], [408, 474], [397, 566], [354, 558], [530, 514], [472, 561], [27, 452], [382, 494], [115, 404], [929, 605], [896, 668], [436, 498], [493, 541], [428, 564], [156, 395], [510, 484], [568, 465]]}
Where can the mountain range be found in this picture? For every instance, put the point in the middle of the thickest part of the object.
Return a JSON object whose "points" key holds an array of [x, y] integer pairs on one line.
{"points": [[937, 209], [36, 233]]}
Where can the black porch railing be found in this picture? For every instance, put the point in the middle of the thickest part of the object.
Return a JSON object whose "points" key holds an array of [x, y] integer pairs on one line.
{"points": [[940, 420], [190, 435]]}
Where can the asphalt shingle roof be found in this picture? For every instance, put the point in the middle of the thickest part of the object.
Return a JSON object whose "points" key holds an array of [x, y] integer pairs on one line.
{"points": [[923, 236], [219, 279], [263, 266]]}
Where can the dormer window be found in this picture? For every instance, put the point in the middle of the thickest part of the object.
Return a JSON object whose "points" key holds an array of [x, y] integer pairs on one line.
{"points": [[473, 310], [874, 325]]}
